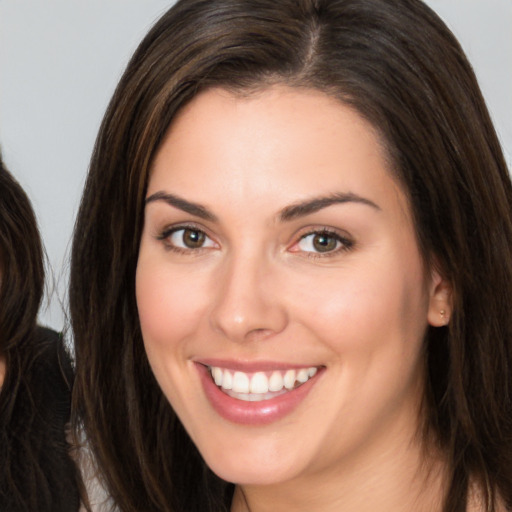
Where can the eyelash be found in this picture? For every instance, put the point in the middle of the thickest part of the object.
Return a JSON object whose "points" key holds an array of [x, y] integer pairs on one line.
{"points": [[346, 244]]}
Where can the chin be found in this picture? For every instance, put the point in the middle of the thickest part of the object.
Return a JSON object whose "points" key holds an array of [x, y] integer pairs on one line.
{"points": [[252, 465], [256, 475]]}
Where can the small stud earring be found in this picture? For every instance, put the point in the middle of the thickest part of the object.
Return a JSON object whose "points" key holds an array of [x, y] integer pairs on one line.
{"points": [[442, 312]]}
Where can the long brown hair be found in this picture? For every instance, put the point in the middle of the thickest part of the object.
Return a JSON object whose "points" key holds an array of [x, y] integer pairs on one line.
{"points": [[36, 471], [398, 65], [21, 268]]}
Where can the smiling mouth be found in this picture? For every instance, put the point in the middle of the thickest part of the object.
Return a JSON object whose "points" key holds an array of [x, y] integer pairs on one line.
{"points": [[258, 386]]}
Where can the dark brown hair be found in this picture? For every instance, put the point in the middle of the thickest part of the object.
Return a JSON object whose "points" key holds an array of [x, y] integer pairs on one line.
{"points": [[36, 471], [398, 65], [21, 268]]}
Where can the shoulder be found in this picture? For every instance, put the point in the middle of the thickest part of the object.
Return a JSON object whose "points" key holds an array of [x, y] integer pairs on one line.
{"points": [[50, 383], [52, 370], [35, 451]]}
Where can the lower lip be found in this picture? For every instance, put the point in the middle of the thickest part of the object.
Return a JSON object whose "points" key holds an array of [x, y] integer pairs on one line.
{"points": [[253, 413]]}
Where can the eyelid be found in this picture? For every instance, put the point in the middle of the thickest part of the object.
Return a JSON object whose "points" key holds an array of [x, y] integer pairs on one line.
{"points": [[171, 228]]}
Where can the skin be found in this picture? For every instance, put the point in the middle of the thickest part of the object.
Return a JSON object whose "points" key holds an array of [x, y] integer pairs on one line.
{"points": [[258, 290]]}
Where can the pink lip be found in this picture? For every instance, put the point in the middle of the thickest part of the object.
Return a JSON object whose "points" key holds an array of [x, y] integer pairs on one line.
{"points": [[252, 413]]}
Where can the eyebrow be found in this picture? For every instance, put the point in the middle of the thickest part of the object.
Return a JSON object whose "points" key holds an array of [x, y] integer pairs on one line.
{"points": [[288, 213], [195, 209], [316, 204]]}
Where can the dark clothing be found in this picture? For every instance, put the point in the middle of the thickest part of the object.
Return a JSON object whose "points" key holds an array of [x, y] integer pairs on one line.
{"points": [[36, 472]]}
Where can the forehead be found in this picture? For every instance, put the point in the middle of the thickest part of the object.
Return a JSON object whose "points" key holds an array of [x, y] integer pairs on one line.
{"points": [[280, 142]]}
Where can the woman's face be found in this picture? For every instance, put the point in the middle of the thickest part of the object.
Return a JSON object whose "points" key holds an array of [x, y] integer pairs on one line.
{"points": [[282, 296]]}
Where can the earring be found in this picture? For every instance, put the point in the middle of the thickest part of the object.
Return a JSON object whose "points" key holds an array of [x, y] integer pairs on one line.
{"points": [[442, 312]]}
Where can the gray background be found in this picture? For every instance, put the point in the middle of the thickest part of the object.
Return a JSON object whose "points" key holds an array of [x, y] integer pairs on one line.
{"points": [[61, 59]]}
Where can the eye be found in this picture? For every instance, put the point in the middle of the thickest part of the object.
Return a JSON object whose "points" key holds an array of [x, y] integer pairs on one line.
{"points": [[323, 242], [187, 238]]}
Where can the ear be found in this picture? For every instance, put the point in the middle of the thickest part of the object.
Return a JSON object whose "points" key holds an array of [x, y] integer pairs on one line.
{"points": [[441, 300]]}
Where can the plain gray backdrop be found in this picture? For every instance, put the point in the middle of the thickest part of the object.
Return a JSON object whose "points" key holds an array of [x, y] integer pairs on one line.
{"points": [[61, 59]]}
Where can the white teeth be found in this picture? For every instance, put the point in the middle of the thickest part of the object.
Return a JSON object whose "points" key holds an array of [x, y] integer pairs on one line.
{"points": [[240, 383], [275, 382], [289, 379], [217, 376], [227, 380], [302, 376], [259, 383], [260, 386]]}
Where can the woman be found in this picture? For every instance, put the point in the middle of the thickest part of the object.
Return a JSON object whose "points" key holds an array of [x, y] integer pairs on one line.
{"points": [[36, 470], [292, 267]]}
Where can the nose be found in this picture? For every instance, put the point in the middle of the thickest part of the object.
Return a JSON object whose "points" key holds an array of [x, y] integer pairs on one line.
{"points": [[248, 303]]}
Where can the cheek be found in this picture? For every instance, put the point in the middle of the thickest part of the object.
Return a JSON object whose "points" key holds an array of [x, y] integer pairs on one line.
{"points": [[169, 304], [367, 307], [169, 313]]}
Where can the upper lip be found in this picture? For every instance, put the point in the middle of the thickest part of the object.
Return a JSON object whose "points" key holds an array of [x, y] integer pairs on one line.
{"points": [[252, 366]]}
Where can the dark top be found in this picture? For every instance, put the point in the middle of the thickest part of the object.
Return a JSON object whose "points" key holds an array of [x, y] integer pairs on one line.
{"points": [[37, 473]]}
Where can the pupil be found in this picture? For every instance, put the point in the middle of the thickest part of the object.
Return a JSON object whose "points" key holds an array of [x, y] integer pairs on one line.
{"points": [[324, 243], [193, 239]]}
